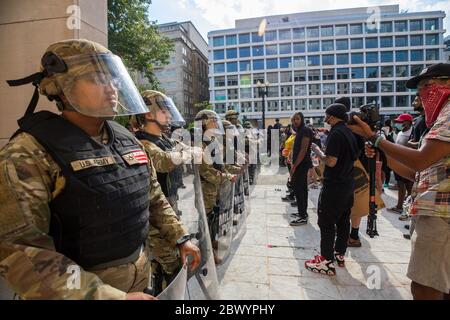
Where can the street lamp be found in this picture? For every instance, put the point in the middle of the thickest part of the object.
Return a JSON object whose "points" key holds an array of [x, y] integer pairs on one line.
{"points": [[262, 90]]}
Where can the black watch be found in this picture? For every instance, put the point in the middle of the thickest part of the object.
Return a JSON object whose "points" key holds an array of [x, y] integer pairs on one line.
{"points": [[373, 138]]}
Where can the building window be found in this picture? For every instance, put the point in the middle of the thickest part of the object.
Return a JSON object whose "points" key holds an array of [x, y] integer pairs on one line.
{"points": [[286, 91], [314, 75], [401, 26], [300, 104], [401, 71], [299, 76], [416, 69], [272, 63], [343, 73], [231, 40], [356, 28], [285, 34], [231, 53], [372, 57], [386, 42], [220, 108], [314, 89], [387, 86], [386, 27], [416, 55], [313, 46], [315, 104], [285, 48], [245, 80], [371, 28], [328, 59], [219, 67], [246, 106], [271, 50], [300, 90], [343, 88], [357, 73], [245, 65], [387, 102], [286, 105], [415, 25], [299, 62], [387, 71], [416, 40], [232, 67], [431, 24], [272, 105], [244, 52], [258, 51], [298, 33], [387, 56], [401, 41], [258, 77], [272, 77], [219, 54], [342, 59], [271, 35], [220, 95], [432, 54], [246, 93], [372, 72], [400, 86], [258, 64], [356, 43], [328, 45], [244, 38], [256, 37], [313, 60], [299, 47], [232, 81], [326, 31], [401, 56], [312, 32], [372, 87], [358, 101], [342, 44], [219, 81], [218, 42], [233, 94], [328, 88], [371, 43], [432, 39], [285, 76], [328, 74], [357, 58], [258, 106], [358, 87], [402, 101], [341, 30]]}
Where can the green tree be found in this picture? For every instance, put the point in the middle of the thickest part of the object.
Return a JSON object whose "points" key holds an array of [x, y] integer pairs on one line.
{"points": [[135, 38]]}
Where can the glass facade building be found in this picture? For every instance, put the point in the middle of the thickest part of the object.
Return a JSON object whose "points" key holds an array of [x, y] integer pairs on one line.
{"points": [[309, 60]]}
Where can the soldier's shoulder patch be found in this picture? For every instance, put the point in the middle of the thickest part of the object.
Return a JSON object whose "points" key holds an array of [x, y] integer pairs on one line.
{"points": [[136, 157]]}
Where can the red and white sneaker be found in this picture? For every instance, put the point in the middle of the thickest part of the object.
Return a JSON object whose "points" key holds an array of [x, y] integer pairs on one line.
{"points": [[340, 259], [321, 265]]}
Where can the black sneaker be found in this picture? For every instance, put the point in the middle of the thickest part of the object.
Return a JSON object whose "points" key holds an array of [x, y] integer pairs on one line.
{"points": [[293, 203], [299, 221], [407, 227], [287, 198], [407, 236], [295, 215]]}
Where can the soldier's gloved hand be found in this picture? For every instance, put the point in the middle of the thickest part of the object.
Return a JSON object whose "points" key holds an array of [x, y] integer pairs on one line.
{"points": [[139, 296], [188, 248]]}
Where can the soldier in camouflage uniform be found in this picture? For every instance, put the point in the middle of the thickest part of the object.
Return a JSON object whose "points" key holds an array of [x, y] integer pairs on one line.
{"points": [[78, 191], [167, 155], [213, 174]]}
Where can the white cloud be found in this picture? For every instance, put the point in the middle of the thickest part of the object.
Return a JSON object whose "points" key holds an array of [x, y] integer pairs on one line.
{"points": [[221, 14]]}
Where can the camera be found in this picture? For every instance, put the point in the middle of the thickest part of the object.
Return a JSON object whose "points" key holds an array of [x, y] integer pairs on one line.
{"points": [[369, 113]]}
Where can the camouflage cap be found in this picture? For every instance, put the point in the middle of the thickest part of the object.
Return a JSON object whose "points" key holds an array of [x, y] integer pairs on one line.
{"points": [[231, 113], [67, 49], [206, 114]]}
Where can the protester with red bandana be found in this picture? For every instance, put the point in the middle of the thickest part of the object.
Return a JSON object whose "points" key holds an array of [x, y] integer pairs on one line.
{"points": [[429, 167]]}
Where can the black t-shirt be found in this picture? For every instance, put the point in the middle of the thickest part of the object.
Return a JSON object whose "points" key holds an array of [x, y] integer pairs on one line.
{"points": [[303, 132], [418, 129], [341, 144]]}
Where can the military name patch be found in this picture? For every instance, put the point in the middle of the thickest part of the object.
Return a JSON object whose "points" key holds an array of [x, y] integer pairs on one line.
{"points": [[136, 157], [89, 163]]}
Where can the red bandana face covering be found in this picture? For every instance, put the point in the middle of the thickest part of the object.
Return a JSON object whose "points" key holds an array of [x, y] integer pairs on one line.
{"points": [[433, 98]]}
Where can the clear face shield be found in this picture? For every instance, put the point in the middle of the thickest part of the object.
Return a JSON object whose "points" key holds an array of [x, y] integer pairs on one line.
{"points": [[214, 127], [98, 85], [170, 114]]}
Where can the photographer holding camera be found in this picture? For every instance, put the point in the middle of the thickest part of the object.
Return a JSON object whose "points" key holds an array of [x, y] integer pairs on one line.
{"points": [[429, 167], [336, 196]]}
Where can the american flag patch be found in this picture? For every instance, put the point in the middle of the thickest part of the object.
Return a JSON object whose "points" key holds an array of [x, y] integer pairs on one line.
{"points": [[136, 157]]}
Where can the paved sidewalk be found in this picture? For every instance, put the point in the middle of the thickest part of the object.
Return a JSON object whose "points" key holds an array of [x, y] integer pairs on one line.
{"points": [[268, 263]]}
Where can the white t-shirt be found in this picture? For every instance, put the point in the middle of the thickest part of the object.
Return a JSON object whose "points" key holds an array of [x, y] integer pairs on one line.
{"points": [[403, 137]]}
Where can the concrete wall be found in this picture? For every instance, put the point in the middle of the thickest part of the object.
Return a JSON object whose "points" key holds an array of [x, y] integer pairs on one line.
{"points": [[27, 28]]}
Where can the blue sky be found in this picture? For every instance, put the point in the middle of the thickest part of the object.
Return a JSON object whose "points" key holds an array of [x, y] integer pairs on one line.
{"points": [[210, 15]]}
